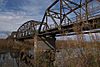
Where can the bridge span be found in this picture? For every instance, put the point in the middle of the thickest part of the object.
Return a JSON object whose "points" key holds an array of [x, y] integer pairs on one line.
{"points": [[61, 17]]}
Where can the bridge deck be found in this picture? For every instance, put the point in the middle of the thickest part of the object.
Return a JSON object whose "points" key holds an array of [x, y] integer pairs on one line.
{"points": [[69, 28]]}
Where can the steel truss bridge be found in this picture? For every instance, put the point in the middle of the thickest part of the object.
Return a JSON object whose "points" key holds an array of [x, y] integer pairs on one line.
{"points": [[63, 17]]}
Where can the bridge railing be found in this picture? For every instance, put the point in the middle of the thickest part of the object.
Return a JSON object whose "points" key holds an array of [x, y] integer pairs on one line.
{"points": [[92, 14]]}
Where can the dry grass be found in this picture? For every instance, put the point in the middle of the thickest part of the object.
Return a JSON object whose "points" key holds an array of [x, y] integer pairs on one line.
{"points": [[73, 53], [69, 53], [78, 53]]}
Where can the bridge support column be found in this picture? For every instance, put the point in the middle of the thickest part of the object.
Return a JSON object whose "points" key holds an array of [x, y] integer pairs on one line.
{"points": [[50, 41], [50, 54], [35, 50]]}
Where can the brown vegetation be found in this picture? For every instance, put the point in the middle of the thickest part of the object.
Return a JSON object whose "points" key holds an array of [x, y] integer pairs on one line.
{"points": [[73, 53]]}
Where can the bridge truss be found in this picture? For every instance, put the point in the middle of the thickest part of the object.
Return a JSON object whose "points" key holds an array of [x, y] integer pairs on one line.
{"points": [[62, 17]]}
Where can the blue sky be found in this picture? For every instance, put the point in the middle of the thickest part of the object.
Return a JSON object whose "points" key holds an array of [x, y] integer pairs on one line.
{"points": [[14, 13]]}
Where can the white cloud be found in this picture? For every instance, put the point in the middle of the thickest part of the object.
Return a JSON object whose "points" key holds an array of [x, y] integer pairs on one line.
{"points": [[11, 20]]}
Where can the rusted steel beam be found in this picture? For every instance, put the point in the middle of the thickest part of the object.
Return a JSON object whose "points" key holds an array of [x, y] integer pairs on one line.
{"points": [[79, 6], [56, 15], [52, 4], [72, 2]]}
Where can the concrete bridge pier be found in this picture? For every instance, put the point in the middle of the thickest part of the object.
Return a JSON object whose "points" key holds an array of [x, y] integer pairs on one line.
{"points": [[47, 43], [50, 41], [35, 50]]}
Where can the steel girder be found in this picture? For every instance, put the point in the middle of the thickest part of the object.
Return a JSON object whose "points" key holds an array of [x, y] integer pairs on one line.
{"points": [[27, 30], [66, 12]]}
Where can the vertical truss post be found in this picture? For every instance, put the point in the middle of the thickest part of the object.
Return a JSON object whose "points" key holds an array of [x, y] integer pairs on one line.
{"points": [[61, 7], [86, 7], [80, 10]]}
